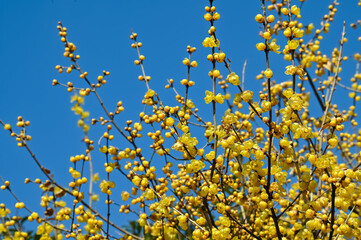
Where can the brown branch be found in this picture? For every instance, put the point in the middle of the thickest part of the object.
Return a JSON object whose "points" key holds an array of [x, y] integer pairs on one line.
{"points": [[270, 133], [44, 170]]}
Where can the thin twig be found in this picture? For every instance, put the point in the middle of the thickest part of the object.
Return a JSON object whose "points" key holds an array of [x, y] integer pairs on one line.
{"points": [[244, 72]]}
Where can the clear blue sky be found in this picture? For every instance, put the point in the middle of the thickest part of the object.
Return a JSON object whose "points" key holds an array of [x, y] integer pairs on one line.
{"points": [[30, 49]]}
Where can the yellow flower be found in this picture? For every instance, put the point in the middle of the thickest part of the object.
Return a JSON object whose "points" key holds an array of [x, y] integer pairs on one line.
{"points": [[190, 104], [216, 16], [293, 44], [323, 162], [247, 96], [309, 28], [44, 229], [300, 72], [188, 140], [259, 18], [297, 33], [96, 177], [74, 98], [149, 94], [80, 123], [77, 109], [194, 166], [295, 10], [60, 204], [229, 117], [219, 57], [233, 79], [169, 121], [206, 42], [219, 98], [209, 97], [273, 46], [149, 194], [103, 149], [268, 73], [125, 195], [287, 32], [2, 228], [290, 70], [4, 212], [210, 42], [266, 106], [95, 197], [208, 17], [86, 128], [84, 114], [106, 185], [260, 46], [215, 73], [112, 150], [267, 35], [287, 93], [296, 102], [210, 156]]}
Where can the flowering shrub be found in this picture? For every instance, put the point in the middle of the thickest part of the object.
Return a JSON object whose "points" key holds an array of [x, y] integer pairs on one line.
{"points": [[263, 166]]}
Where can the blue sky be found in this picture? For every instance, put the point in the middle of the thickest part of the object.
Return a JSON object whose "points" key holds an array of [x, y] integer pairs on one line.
{"points": [[30, 49]]}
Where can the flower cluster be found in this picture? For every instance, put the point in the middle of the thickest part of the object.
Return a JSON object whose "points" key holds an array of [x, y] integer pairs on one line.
{"points": [[276, 163]]}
